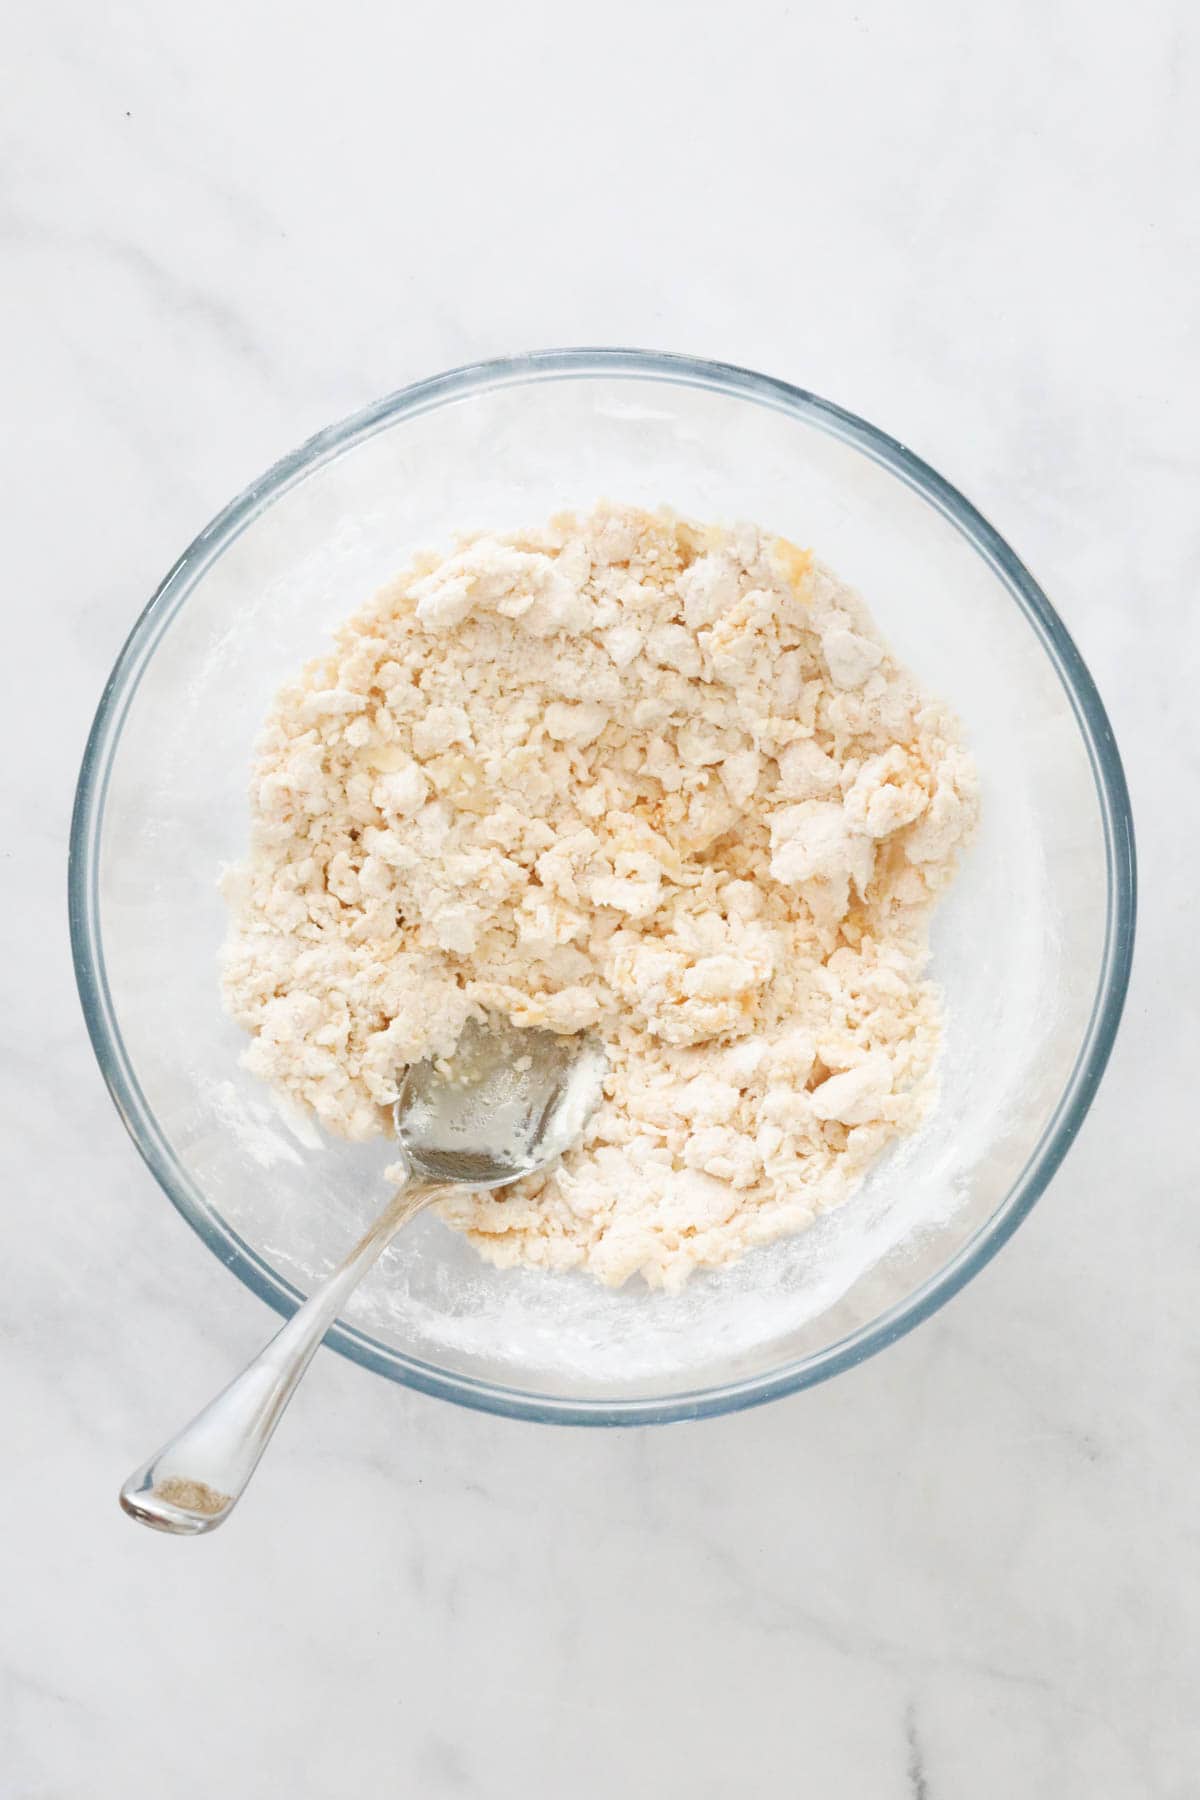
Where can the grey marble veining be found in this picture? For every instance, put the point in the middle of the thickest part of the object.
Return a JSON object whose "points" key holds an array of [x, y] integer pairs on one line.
{"points": [[969, 1570]]}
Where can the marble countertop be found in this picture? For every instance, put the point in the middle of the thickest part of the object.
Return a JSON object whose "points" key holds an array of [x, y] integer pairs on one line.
{"points": [[970, 1569]]}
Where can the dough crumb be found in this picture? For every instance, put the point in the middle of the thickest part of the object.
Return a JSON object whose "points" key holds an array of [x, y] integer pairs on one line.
{"points": [[628, 774]]}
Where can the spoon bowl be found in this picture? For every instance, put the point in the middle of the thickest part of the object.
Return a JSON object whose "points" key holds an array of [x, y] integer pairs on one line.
{"points": [[509, 1102]]}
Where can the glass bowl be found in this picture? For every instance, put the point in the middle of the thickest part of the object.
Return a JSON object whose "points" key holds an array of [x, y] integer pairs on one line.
{"points": [[1032, 947]]}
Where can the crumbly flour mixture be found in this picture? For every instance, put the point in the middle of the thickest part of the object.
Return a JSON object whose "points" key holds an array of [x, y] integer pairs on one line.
{"points": [[627, 773]]}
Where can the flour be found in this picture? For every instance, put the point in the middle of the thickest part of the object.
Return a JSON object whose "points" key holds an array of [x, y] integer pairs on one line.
{"points": [[626, 774]]}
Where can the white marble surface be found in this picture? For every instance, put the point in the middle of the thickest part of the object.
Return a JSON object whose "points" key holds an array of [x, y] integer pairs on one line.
{"points": [[969, 1570]]}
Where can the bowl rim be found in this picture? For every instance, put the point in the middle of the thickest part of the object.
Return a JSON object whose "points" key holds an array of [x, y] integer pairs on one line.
{"points": [[678, 370]]}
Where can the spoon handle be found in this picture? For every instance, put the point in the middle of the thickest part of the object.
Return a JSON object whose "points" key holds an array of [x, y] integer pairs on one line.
{"points": [[194, 1482]]}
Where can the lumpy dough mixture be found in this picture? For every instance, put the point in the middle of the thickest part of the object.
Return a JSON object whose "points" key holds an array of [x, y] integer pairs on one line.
{"points": [[631, 774]]}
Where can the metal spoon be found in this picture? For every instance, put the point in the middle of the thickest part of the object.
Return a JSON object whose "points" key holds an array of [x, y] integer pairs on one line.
{"points": [[508, 1103]]}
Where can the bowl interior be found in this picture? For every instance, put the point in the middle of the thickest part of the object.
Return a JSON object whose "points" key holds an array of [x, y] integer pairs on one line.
{"points": [[1023, 946]]}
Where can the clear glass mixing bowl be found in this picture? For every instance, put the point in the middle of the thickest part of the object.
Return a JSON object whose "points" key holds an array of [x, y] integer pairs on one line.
{"points": [[1032, 947]]}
